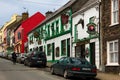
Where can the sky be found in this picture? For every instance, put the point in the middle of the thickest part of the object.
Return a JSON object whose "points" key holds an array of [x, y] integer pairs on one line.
{"points": [[10, 7]]}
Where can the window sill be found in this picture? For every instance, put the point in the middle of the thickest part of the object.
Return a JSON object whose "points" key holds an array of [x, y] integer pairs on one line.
{"points": [[112, 64], [114, 24]]}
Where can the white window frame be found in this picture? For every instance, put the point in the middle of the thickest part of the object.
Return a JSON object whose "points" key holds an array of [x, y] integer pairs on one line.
{"points": [[109, 63], [115, 11]]}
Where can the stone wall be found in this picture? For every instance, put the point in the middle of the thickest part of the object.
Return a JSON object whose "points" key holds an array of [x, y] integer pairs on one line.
{"points": [[109, 33]]}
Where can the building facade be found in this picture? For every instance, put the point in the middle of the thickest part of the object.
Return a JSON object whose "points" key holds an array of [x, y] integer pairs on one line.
{"points": [[111, 35], [21, 32], [54, 35], [9, 33], [86, 32]]}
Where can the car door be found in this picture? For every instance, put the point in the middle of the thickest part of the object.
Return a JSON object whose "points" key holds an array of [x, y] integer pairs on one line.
{"points": [[62, 65], [57, 66]]}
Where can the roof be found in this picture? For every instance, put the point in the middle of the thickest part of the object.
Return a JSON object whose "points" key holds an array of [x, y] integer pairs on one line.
{"points": [[67, 5], [87, 5], [33, 21]]}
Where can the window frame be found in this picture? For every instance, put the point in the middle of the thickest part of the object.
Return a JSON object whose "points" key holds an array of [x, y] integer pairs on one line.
{"points": [[114, 10], [113, 51]]}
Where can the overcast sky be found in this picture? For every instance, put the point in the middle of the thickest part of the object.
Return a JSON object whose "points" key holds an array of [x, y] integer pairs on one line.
{"points": [[10, 7]]}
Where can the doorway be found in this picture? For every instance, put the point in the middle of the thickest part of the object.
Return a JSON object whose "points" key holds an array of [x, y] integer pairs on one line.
{"points": [[53, 51], [80, 51], [92, 53]]}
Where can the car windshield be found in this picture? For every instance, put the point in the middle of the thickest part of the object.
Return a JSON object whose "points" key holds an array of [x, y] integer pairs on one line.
{"points": [[79, 61]]}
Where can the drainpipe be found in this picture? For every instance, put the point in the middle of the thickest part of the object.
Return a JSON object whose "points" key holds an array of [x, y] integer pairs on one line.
{"points": [[100, 39]]}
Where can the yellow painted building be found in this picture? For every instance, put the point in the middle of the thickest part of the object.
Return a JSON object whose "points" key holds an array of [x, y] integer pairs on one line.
{"points": [[8, 24]]}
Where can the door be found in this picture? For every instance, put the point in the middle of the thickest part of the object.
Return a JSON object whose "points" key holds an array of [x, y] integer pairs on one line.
{"points": [[53, 51], [82, 51], [92, 53], [68, 47]]}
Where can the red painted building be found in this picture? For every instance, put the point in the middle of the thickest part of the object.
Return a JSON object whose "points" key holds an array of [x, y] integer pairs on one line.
{"points": [[25, 27]]}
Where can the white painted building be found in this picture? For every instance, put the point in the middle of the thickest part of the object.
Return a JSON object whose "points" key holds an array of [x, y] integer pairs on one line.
{"points": [[86, 32], [56, 32]]}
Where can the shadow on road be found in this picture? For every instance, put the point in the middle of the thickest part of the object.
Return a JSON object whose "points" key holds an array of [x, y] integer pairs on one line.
{"points": [[73, 78]]}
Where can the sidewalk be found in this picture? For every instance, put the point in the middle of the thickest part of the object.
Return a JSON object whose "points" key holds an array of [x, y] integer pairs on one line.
{"points": [[101, 75], [107, 76]]}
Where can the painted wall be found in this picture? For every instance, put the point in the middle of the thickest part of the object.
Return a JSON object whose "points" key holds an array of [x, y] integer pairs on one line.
{"points": [[57, 42], [27, 26], [31, 23], [82, 32], [63, 33]]}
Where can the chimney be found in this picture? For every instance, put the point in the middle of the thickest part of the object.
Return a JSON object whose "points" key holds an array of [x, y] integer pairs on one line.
{"points": [[49, 13], [25, 15]]}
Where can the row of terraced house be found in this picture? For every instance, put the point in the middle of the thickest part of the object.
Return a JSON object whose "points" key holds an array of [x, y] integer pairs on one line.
{"points": [[81, 28]]}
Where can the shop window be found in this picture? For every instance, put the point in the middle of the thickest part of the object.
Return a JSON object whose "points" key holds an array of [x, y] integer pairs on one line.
{"points": [[49, 49], [57, 52]]}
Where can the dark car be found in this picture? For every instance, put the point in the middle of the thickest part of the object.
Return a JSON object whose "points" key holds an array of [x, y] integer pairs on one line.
{"points": [[74, 67], [36, 58]]}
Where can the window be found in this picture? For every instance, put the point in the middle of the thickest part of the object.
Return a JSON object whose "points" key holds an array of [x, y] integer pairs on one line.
{"points": [[57, 27], [115, 12], [52, 28], [112, 53], [48, 30], [49, 49], [63, 47], [57, 52], [19, 35]]}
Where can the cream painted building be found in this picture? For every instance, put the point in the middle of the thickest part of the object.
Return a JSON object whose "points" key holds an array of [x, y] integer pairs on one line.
{"points": [[3, 32]]}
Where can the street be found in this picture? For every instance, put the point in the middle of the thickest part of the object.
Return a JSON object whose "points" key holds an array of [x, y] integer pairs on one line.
{"points": [[9, 71]]}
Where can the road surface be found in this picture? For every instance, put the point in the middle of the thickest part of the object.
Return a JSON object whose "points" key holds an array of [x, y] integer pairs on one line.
{"points": [[10, 71]]}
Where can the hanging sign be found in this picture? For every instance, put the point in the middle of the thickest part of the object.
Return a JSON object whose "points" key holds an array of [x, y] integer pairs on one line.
{"points": [[91, 28], [64, 19]]}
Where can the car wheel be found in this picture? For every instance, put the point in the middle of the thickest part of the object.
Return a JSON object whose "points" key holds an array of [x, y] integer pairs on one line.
{"points": [[52, 70], [65, 74]]}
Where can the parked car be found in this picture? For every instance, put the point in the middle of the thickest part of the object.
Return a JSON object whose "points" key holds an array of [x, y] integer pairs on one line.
{"points": [[36, 58], [21, 57], [9, 56], [74, 67]]}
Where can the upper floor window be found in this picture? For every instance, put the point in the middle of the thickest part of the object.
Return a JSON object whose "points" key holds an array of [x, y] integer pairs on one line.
{"points": [[57, 27], [19, 35], [115, 11], [112, 52]]}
